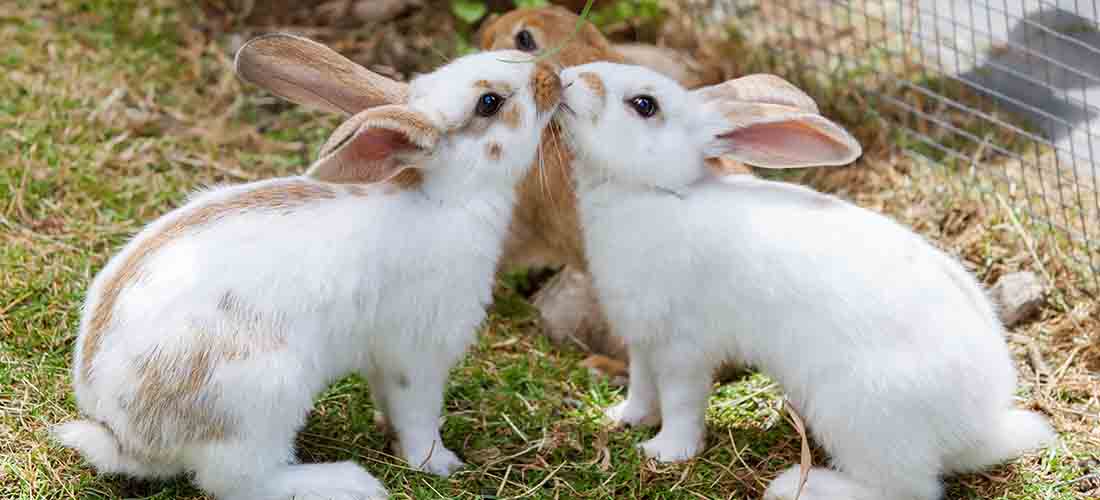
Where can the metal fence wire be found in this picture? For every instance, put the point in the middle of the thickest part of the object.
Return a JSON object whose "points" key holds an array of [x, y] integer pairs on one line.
{"points": [[1005, 93]]}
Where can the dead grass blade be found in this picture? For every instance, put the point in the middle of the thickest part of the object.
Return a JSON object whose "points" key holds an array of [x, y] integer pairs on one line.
{"points": [[807, 460]]}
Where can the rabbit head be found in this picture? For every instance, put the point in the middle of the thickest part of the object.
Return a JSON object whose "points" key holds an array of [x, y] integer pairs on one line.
{"points": [[472, 122], [629, 124], [538, 29]]}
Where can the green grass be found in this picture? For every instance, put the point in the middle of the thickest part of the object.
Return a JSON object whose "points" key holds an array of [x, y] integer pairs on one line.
{"points": [[111, 111]]}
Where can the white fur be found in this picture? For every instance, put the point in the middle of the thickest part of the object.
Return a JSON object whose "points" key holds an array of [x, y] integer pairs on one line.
{"points": [[392, 285], [885, 345]]}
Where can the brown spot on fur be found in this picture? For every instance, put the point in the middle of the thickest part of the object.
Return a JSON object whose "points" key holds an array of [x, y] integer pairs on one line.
{"points": [[726, 166], [493, 151], [171, 393], [176, 388], [281, 195], [499, 87], [510, 116], [546, 86], [406, 179], [594, 83]]}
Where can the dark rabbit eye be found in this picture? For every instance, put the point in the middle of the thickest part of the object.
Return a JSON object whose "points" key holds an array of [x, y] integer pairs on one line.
{"points": [[526, 42], [644, 105], [489, 104]]}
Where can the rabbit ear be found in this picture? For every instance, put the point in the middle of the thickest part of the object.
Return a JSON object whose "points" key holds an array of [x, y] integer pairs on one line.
{"points": [[375, 145], [759, 88], [308, 73], [483, 30], [769, 123]]}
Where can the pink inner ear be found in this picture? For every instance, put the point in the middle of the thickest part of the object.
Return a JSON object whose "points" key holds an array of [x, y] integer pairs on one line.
{"points": [[373, 145], [788, 143], [368, 157]]}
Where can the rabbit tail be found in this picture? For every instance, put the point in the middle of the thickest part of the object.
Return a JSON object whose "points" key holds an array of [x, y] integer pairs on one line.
{"points": [[1015, 432], [99, 446]]}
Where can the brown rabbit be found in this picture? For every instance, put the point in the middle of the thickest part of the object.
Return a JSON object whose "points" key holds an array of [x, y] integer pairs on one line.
{"points": [[545, 221], [544, 229]]}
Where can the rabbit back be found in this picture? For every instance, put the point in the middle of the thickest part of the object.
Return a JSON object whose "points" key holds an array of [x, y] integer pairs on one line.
{"points": [[767, 272], [291, 278]]}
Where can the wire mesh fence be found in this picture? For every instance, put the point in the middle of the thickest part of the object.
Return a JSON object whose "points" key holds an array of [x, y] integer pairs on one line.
{"points": [[1004, 94]]}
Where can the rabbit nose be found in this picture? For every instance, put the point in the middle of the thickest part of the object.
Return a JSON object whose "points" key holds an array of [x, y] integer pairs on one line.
{"points": [[547, 86]]}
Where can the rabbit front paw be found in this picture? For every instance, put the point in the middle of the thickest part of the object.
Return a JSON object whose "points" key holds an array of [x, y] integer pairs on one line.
{"points": [[436, 460], [667, 449], [633, 415]]}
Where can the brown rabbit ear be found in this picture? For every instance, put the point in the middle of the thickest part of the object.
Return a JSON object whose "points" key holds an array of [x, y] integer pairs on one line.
{"points": [[666, 61], [759, 88], [484, 29], [375, 145], [308, 73]]}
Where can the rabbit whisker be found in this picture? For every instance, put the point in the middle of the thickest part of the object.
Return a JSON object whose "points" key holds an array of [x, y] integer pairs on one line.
{"points": [[543, 186]]}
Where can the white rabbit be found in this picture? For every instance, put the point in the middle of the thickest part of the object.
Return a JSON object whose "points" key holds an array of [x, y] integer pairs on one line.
{"points": [[205, 340], [884, 344]]}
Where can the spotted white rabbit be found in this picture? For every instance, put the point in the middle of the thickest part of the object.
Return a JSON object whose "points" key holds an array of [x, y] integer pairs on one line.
{"points": [[205, 340], [886, 346]]}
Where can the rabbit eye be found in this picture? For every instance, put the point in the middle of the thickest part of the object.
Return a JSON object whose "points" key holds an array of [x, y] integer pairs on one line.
{"points": [[525, 41], [644, 105], [489, 104]]}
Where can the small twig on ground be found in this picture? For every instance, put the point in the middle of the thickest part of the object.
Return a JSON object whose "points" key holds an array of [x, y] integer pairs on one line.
{"points": [[1026, 238], [537, 487], [515, 429], [1038, 364], [737, 453]]}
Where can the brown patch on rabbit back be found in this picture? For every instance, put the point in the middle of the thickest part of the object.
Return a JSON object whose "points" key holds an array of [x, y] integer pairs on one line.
{"points": [[493, 151], [177, 389], [286, 195], [171, 393]]}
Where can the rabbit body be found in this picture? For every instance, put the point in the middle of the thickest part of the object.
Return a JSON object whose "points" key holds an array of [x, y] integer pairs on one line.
{"points": [[885, 345], [243, 321], [205, 340]]}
